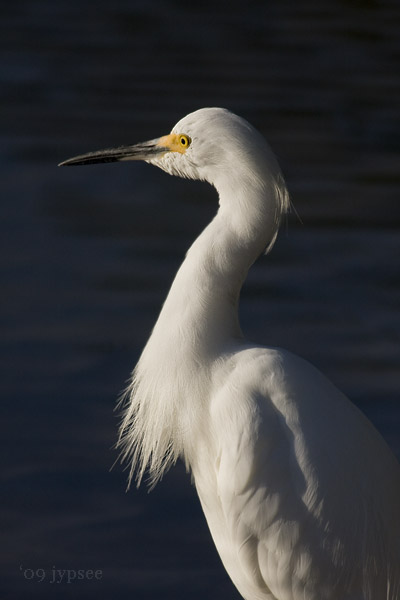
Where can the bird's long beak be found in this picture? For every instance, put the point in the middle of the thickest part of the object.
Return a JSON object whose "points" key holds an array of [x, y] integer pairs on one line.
{"points": [[143, 151]]}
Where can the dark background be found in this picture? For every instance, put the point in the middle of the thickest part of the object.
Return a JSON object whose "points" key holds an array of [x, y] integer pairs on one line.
{"points": [[89, 253]]}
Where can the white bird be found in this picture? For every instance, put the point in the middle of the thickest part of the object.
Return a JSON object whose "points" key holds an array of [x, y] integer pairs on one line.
{"points": [[300, 492]]}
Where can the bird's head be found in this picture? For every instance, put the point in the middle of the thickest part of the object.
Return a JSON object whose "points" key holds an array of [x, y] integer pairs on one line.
{"points": [[207, 144], [215, 145]]}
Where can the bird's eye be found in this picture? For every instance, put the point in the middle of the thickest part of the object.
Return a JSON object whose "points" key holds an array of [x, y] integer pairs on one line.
{"points": [[184, 141]]}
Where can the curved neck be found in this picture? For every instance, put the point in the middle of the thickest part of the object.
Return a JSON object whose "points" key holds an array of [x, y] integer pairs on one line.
{"points": [[202, 305], [197, 325]]}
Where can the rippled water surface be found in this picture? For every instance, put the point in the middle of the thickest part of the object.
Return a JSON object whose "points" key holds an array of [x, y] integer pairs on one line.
{"points": [[89, 253]]}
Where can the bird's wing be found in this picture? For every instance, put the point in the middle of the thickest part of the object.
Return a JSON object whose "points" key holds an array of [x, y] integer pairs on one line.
{"points": [[293, 487]]}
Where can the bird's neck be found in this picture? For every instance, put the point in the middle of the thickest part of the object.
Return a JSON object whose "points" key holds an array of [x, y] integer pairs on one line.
{"points": [[200, 314], [198, 324], [201, 309]]}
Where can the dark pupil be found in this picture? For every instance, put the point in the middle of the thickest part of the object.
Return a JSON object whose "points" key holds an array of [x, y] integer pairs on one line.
{"points": [[183, 141]]}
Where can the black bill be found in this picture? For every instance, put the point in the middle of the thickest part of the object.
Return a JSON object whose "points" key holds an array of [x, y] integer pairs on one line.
{"points": [[142, 151]]}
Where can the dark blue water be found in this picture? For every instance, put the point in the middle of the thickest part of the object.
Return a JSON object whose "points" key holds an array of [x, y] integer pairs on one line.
{"points": [[89, 253]]}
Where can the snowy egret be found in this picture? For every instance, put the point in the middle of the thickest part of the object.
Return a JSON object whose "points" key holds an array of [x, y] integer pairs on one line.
{"points": [[300, 492]]}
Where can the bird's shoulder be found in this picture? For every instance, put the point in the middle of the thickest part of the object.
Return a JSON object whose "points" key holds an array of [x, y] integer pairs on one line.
{"points": [[250, 413], [267, 389], [283, 420]]}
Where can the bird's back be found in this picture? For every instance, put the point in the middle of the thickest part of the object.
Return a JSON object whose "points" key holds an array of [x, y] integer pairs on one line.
{"points": [[304, 502]]}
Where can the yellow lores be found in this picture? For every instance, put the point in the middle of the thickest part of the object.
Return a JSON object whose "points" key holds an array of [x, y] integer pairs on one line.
{"points": [[175, 142]]}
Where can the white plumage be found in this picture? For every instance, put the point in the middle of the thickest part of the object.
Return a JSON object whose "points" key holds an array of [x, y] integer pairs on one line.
{"points": [[300, 492]]}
